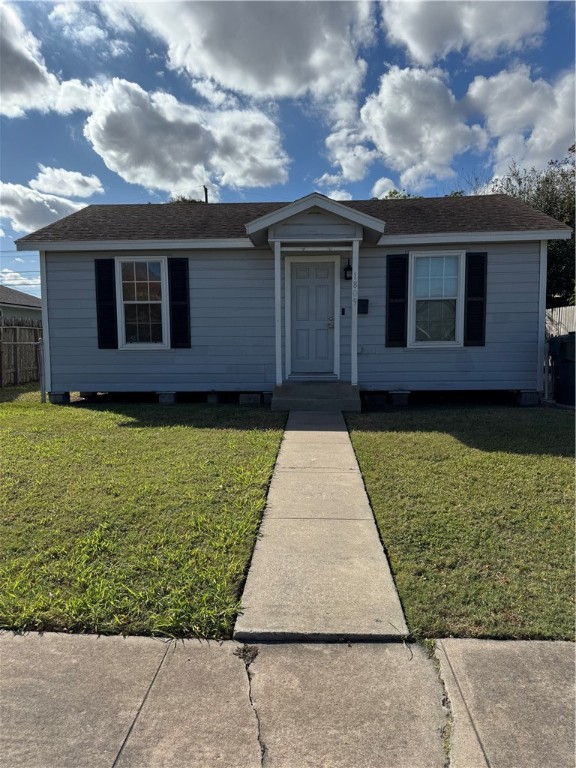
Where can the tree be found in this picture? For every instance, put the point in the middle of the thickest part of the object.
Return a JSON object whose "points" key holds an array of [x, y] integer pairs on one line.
{"points": [[184, 199], [552, 192]]}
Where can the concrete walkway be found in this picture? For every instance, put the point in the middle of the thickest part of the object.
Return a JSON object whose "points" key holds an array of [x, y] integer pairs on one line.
{"points": [[319, 571], [81, 701]]}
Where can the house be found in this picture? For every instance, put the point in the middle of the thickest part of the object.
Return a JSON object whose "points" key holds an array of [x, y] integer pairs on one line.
{"points": [[15, 303], [381, 295]]}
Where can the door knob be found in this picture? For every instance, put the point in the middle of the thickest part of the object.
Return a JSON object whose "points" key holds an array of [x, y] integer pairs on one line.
{"points": [[330, 319], [330, 325]]}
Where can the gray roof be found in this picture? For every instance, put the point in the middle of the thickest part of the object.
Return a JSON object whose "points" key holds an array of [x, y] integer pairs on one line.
{"points": [[181, 221], [12, 296]]}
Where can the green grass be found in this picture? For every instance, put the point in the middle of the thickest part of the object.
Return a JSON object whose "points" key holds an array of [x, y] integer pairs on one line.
{"points": [[475, 507], [136, 519]]}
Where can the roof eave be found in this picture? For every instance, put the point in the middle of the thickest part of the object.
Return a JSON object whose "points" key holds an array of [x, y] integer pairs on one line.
{"points": [[476, 237], [135, 245]]}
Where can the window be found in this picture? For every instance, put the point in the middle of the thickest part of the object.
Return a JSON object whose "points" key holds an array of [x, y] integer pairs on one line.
{"points": [[436, 299], [142, 302]]}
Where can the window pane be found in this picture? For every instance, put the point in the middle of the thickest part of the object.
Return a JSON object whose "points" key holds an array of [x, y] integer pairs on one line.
{"points": [[451, 266], [451, 286], [422, 267], [154, 271], [155, 313], [144, 333], [130, 313], [155, 291], [143, 313], [128, 271], [436, 320], [128, 291], [131, 333], [156, 333], [141, 269], [436, 286], [437, 266], [422, 287], [141, 291]]}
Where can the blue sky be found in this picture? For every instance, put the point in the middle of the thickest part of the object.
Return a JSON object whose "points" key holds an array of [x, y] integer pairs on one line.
{"points": [[116, 102]]}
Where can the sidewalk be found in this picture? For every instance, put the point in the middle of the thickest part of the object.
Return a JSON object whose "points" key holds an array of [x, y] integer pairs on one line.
{"points": [[319, 571], [79, 701]]}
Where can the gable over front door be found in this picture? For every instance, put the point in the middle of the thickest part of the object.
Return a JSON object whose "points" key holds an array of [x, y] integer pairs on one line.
{"points": [[312, 320]]}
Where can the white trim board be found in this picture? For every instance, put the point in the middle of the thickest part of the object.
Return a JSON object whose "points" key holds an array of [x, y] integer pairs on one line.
{"points": [[138, 245], [47, 365], [441, 238], [288, 261]]}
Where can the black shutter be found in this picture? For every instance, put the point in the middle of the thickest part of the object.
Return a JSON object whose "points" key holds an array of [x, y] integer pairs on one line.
{"points": [[396, 300], [475, 300], [106, 304], [179, 297]]}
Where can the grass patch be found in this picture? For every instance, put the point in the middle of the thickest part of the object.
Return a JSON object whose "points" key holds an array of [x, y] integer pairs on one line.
{"points": [[476, 510], [135, 519]]}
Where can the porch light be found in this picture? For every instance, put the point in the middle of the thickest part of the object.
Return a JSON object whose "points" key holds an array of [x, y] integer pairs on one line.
{"points": [[348, 271]]}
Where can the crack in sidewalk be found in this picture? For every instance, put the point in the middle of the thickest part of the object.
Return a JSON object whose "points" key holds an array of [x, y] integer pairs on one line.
{"points": [[247, 653], [447, 729]]}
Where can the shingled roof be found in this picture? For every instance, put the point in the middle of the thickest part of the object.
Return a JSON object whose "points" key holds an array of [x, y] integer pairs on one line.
{"points": [[18, 298], [181, 221]]}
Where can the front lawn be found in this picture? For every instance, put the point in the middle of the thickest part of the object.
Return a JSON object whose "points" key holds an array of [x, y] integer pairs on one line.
{"points": [[136, 519], [475, 507]]}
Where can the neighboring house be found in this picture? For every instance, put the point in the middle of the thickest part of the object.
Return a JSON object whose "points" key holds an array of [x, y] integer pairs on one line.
{"points": [[388, 295], [18, 304]]}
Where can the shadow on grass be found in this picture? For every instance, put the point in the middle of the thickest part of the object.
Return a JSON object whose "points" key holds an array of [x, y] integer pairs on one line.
{"points": [[529, 431], [143, 410]]}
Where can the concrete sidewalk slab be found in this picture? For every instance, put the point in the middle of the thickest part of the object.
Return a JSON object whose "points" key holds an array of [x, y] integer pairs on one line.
{"points": [[318, 571], [320, 578], [198, 713], [512, 702], [340, 706], [291, 495], [68, 701], [319, 456]]}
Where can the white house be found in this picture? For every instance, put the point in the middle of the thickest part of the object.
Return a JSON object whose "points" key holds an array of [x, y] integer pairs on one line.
{"points": [[379, 295]]}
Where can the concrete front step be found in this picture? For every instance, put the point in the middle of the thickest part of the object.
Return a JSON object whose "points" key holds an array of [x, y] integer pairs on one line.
{"points": [[294, 404], [316, 396]]}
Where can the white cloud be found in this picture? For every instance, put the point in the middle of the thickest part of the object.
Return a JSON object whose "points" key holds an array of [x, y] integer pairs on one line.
{"points": [[382, 187], [339, 194], [2, 233], [29, 210], [154, 140], [431, 30], [25, 82], [66, 183], [531, 120], [11, 278], [417, 125], [264, 50], [83, 26]]}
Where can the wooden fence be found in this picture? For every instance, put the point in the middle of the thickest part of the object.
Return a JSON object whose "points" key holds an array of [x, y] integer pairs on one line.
{"points": [[20, 351], [560, 320]]}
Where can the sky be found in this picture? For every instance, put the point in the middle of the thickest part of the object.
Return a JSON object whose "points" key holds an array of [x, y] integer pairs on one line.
{"points": [[134, 102]]}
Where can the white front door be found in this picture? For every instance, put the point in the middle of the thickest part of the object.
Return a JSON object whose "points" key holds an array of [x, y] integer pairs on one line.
{"points": [[312, 318]]}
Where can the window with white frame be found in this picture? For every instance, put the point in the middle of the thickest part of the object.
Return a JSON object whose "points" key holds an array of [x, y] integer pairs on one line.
{"points": [[142, 302], [436, 299]]}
